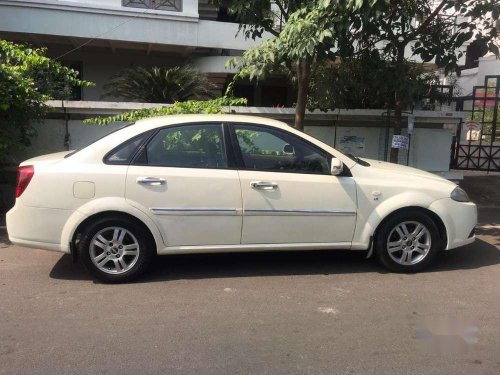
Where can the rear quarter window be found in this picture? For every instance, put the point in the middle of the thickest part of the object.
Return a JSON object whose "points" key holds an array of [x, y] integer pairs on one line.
{"points": [[124, 153]]}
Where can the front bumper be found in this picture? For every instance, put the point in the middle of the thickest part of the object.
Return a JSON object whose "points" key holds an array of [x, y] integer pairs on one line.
{"points": [[459, 219]]}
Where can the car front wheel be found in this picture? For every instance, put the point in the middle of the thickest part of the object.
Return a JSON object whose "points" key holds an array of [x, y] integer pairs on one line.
{"points": [[114, 250], [407, 242]]}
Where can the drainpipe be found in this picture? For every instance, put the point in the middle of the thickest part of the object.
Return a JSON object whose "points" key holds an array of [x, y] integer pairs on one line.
{"points": [[67, 136], [387, 130], [335, 124]]}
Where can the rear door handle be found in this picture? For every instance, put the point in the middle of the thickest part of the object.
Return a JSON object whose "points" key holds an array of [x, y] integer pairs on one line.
{"points": [[153, 181], [264, 185]]}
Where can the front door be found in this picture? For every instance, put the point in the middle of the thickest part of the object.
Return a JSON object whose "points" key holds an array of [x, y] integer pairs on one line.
{"points": [[181, 178], [289, 195]]}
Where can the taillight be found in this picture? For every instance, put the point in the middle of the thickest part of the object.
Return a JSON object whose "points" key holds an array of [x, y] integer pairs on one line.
{"points": [[24, 176]]}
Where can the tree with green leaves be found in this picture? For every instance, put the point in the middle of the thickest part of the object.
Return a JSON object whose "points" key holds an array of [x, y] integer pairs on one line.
{"points": [[27, 79], [212, 106], [303, 41], [399, 31], [430, 31], [159, 85], [362, 83], [186, 140], [404, 31]]}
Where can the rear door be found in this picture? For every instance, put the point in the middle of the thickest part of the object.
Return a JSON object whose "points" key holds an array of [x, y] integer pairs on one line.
{"points": [[182, 178], [289, 195]]}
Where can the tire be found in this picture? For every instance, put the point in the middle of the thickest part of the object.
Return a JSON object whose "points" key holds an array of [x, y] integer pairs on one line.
{"points": [[407, 250], [115, 249]]}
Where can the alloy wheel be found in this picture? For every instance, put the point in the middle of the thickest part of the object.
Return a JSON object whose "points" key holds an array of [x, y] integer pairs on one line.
{"points": [[409, 243], [114, 250]]}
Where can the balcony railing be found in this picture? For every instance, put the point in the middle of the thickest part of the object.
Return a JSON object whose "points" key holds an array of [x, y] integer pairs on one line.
{"points": [[170, 5]]}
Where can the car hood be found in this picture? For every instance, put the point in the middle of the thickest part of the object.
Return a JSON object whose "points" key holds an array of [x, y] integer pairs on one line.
{"points": [[46, 159], [404, 170]]}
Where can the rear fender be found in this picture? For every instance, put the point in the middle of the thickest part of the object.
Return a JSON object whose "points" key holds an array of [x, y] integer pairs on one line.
{"points": [[103, 205]]}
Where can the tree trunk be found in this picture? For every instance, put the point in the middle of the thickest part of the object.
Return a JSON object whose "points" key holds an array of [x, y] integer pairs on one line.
{"points": [[303, 80], [398, 105], [398, 119]]}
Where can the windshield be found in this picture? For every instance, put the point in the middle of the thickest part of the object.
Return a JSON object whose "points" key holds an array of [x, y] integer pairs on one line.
{"points": [[97, 139]]}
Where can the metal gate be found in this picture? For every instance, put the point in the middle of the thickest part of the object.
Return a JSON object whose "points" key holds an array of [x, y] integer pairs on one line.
{"points": [[477, 143]]}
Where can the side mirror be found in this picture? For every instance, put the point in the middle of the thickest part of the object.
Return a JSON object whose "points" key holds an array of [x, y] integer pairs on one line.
{"points": [[288, 149], [336, 167]]}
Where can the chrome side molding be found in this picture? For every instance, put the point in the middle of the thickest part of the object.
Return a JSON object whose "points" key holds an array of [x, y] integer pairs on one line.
{"points": [[299, 212], [194, 211]]}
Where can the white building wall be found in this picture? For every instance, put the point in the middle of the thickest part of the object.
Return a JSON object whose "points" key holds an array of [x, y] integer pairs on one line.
{"points": [[189, 7], [430, 149], [469, 78], [487, 66], [213, 64], [430, 146], [123, 24], [99, 68]]}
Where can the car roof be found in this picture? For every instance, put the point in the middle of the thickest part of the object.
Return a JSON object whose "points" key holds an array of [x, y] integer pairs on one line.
{"points": [[153, 122]]}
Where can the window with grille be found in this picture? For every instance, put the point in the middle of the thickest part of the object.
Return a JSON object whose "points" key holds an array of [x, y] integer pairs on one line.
{"points": [[172, 5]]}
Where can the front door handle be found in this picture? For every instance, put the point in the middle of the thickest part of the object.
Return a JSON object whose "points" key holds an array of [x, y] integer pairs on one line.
{"points": [[262, 185], [153, 181]]}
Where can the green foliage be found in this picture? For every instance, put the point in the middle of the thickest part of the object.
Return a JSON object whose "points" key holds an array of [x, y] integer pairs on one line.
{"points": [[433, 31], [212, 106], [322, 31], [313, 32], [159, 85], [259, 16], [194, 141], [27, 79], [369, 82], [254, 143]]}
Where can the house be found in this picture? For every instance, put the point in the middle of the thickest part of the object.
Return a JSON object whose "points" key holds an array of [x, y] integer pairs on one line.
{"points": [[99, 38]]}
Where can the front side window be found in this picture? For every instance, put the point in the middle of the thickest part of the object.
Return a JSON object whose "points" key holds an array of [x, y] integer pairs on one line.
{"points": [[187, 146], [268, 149]]}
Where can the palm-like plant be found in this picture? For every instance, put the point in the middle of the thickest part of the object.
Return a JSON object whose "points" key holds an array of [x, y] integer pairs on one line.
{"points": [[159, 85]]}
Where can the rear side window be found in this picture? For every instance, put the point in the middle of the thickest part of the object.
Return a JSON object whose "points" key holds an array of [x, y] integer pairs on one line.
{"points": [[187, 146], [124, 153]]}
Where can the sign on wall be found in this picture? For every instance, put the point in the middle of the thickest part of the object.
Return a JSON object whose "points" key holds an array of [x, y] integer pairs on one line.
{"points": [[472, 130], [400, 141]]}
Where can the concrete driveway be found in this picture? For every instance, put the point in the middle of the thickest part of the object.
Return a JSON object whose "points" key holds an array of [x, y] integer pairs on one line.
{"points": [[268, 313]]}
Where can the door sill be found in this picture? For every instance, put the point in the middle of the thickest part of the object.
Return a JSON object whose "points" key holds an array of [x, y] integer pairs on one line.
{"points": [[254, 247]]}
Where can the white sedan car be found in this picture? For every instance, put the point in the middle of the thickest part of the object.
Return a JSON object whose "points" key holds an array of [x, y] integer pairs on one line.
{"points": [[226, 183]]}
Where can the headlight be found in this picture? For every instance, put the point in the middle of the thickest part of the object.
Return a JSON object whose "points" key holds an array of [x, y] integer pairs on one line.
{"points": [[459, 195]]}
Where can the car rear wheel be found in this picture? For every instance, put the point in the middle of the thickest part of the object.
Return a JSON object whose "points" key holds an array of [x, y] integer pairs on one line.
{"points": [[407, 242], [115, 250]]}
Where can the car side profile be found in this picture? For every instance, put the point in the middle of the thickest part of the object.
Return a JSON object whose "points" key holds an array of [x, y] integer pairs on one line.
{"points": [[227, 183]]}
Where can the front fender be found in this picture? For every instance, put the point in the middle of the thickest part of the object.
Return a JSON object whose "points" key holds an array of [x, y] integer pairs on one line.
{"points": [[369, 218], [102, 205]]}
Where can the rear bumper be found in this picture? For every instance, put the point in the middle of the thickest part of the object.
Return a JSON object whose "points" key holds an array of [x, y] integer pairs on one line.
{"points": [[459, 219], [37, 227]]}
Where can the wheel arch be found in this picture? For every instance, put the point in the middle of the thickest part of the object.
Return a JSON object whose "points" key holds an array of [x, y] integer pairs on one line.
{"points": [[370, 219], [432, 215], [112, 214], [111, 207]]}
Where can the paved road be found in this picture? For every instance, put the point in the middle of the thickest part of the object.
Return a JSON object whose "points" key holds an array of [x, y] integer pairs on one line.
{"points": [[304, 313]]}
